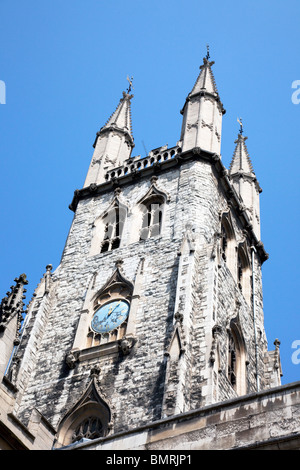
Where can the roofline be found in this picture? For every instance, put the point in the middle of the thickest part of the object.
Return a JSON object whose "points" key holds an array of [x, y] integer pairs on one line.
{"points": [[203, 92], [208, 410], [117, 177]]}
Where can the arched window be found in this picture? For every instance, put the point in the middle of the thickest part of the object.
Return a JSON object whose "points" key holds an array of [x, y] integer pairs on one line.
{"points": [[228, 242], [108, 228], [113, 227], [236, 359], [232, 357], [148, 214], [88, 419], [239, 270], [244, 272], [152, 217], [224, 242]]}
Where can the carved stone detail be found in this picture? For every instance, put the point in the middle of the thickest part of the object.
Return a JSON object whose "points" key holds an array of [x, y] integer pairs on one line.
{"points": [[72, 359], [205, 124], [126, 344]]}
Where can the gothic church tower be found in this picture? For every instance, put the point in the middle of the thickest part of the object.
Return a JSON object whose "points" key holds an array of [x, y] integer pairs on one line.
{"points": [[156, 307]]}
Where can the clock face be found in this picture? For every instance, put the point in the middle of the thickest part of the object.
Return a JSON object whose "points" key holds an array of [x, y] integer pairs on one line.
{"points": [[110, 316]]}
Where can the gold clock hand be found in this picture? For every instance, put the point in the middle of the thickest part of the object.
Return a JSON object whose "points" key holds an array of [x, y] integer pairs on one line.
{"points": [[110, 312]]}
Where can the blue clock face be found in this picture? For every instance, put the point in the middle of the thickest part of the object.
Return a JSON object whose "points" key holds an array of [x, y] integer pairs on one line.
{"points": [[110, 316]]}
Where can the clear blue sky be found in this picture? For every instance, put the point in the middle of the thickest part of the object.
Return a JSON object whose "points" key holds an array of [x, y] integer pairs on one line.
{"points": [[65, 63]]}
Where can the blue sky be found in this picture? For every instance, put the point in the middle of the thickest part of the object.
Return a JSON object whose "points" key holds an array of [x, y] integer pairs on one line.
{"points": [[64, 64]]}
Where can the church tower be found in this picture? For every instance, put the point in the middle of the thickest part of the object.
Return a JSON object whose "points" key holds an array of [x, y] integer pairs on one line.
{"points": [[155, 309]]}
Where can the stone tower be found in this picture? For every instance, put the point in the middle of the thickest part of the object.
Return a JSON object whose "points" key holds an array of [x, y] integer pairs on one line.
{"points": [[155, 309]]}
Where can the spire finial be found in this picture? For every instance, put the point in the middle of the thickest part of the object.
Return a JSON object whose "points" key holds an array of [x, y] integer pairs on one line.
{"points": [[130, 84], [240, 121], [207, 53]]}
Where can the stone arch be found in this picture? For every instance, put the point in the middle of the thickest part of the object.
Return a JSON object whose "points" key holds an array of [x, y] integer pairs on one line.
{"points": [[108, 228], [149, 212], [89, 418], [244, 271], [236, 357], [228, 242]]}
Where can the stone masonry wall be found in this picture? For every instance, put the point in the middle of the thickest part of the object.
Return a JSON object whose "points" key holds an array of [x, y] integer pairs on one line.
{"points": [[134, 385]]}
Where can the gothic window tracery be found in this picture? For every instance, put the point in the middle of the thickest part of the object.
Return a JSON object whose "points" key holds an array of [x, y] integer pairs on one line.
{"points": [[228, 242], [108, 228], [89, 418], [244, 272], [224, 242], [152, 218], [113, 227], [236, 358], [150, 212], [231, 360], [90, 428]]}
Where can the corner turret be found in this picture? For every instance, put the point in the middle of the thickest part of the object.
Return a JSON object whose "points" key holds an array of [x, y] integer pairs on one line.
{"points": [[242, 175], [202, 113], [114, 142]]}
